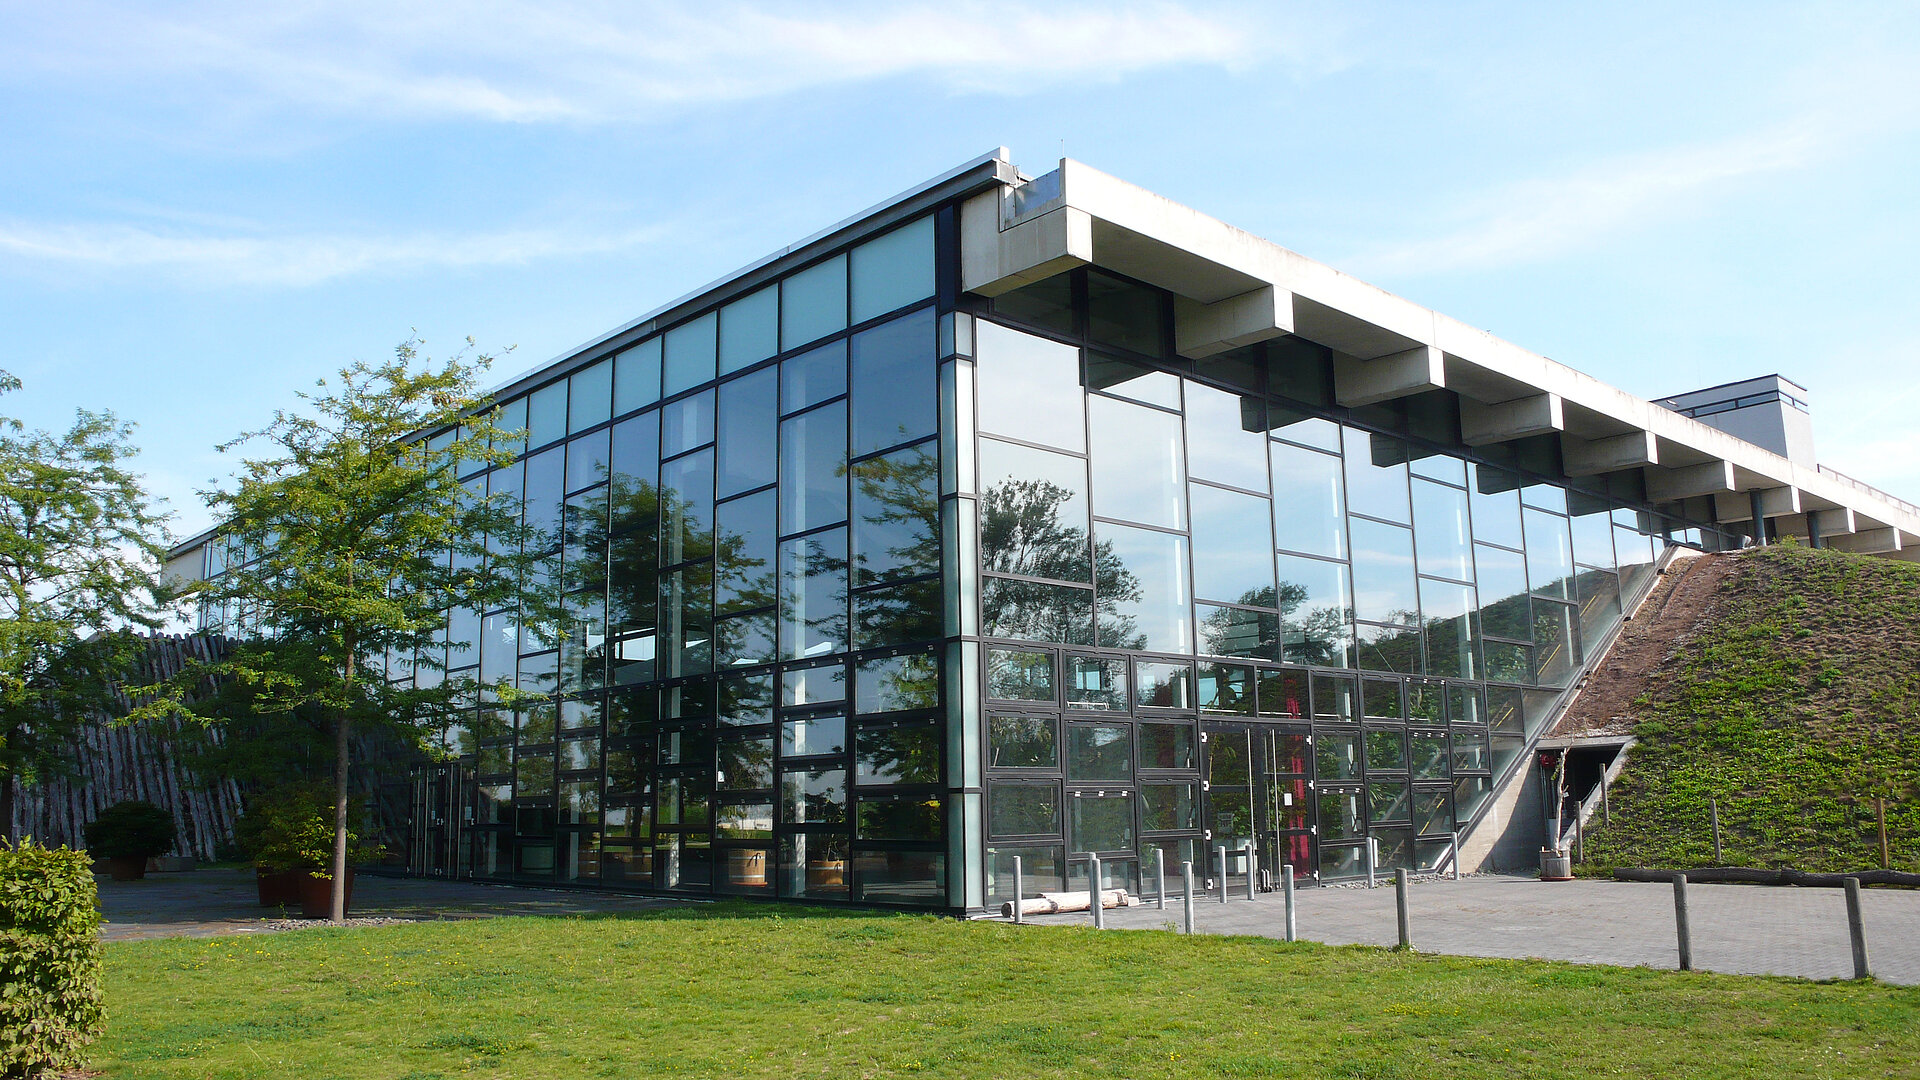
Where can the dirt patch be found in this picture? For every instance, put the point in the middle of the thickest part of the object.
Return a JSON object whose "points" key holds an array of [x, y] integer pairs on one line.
{"points": [[1684, 598]]}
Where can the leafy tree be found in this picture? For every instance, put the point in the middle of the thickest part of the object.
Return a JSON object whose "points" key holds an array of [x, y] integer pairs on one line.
{"points": [[81, 547], [353, 536]]}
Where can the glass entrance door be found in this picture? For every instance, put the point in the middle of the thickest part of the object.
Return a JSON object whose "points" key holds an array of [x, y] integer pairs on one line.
{"points": [[441, 810], [1257, 796]]}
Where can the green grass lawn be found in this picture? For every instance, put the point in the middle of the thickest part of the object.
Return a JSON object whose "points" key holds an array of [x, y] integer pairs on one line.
{"points": [[1797, 699], [742, 991]]}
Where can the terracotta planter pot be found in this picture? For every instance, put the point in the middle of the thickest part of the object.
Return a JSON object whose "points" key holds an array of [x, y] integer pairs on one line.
{"points": [[316, 894], [277, 887], [127, 868]]}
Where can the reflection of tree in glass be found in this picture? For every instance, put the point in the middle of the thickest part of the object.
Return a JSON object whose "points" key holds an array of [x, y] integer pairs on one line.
{"points": [[1022, 532], [903, 682], [902, 755], [896, 516], [1316, 635]]}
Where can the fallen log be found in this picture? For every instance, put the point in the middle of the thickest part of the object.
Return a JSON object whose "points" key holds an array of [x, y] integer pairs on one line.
{"points": [[1059, 903]]}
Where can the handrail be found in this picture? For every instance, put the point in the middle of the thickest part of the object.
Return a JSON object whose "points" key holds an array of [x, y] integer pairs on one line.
{"points": [[1862, 485]]}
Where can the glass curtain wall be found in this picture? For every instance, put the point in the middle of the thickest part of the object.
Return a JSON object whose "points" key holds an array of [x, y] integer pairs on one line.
{"points": [[1218, 609], [740, 519]]}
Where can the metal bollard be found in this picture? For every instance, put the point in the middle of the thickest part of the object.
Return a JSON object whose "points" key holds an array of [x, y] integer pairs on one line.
{"points": [[1680, 927], [1222, 849], [1713, 807], [1579, 840], [1373, 859], [1186, 897], [1096, 901], [1400, 903], [1286, 889], [1606, 810], [1160, 876], [1456, 856], [1253, 871], [1857, 930], [1018, 893]]}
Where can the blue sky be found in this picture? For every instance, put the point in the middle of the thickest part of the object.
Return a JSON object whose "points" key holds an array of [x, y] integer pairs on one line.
{"points": [[204, 207]]}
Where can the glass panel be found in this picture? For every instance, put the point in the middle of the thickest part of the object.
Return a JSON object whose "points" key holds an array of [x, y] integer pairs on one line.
{"points": [[813, 796], [813, 463], [1096, 683], [1440, 529], [1469, 750], [1232, 547], [587, 460], [1309, 510], [1047, 302], [1469, 794], [746, 431], [686, 424], [689, 354], [547, 414], [1428, 755], [1034, 513], [746, 699], [1016, 809], [1283, 693], [896, 516], [812, 736], [1556, 655], [1386, 750], [1100, 752], [744, 640], [1380, 698], [813, 302], [1168, 808], [1503, 592], [897, 684], [744, 821], [1164, 686], [590, 396], [1341, 862], [1593, 540], [1128, 379], [1465, 706], [1545, 496], [1440, 467], [746, 763], [1496, 506], [814, 865], [1226, 437], [743, 552], [897, 755], [748, 331], [540, 507], [1147, 602], [1376, 475], [813, 595], [1036, 612], [817, 685], [1138, 473], [687, 501], [893, 270], [899, 817], [1023, 742], [1314, 612], [1549, 555], [904, 614], [1126, 315], [1599, 605], [1226, 688], [1029, 387], [1450, 615], [1334, 698], [636, 377], [1383, 581], [894, 383], [1341, 816], [1226, 631], [1020, 675], [1388, 802], [683, 800], [1166, 746], [813, 377], [1101, 822]]}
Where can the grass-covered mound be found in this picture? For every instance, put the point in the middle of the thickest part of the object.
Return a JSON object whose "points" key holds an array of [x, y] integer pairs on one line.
{"points": [[1794, 702], [750, 991]]}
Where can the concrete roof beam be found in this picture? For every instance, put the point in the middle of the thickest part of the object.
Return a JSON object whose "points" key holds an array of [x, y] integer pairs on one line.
{"points": [[1201, 330], [1777, 502], [1584, 457], [1706, 478], [1871, 542], [1359, 382], [1482, 425], [995, 260]]}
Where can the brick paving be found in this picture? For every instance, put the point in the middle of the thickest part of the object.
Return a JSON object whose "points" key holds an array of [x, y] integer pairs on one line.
{"points": [[1740, 929], [208, 903]]}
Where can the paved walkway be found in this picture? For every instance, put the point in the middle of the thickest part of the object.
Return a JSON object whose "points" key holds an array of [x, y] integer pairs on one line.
{"points": [[207, 903], [1742, 929]]}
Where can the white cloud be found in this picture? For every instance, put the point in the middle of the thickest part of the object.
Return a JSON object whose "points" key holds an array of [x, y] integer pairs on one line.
{"points": [[514, 61], [306, 259], [1541, 218]]}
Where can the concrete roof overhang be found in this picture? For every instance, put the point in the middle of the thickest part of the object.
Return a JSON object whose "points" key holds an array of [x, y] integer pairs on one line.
{"points": [[1234, 289]]}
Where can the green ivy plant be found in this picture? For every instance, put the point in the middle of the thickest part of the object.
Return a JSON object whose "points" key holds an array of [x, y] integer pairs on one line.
{"points": [[50, 1001]]}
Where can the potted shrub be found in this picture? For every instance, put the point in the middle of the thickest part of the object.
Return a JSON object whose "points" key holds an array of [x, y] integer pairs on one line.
{"points": [[127, 834], [295, 848]]}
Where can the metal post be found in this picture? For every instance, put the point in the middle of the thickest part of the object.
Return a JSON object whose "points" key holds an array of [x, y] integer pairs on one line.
{"points": [[1160, 877], [1018, 893], [1186, 896], [1456, 856], [1880, 816], [1253, 864], [1713, 807], [1681, 929], [1857, 930], [1286, 889], [1579, 840], [1222, 849], [1606, 811], [1096, 901], [1400, 903], [1373, 859]]}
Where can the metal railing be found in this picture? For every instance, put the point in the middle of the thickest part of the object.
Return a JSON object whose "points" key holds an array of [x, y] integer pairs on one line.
{"points": [[1862, 485]]}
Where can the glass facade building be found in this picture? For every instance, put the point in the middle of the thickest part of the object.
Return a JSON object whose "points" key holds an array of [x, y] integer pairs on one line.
{"points": [[876, 582]]}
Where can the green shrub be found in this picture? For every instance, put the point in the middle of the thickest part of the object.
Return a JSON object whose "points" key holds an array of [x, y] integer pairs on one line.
{"points": [[292, 829], [50, 1005], [130, 830]]}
